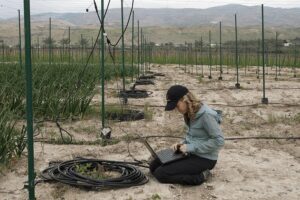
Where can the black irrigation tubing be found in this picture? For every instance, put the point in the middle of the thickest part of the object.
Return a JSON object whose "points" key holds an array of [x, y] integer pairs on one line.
{"points": [[256, 104], [135, 94], [129, 17], [61, 130], [216, 104], [262, 138], [65, 172], [96, 41]]}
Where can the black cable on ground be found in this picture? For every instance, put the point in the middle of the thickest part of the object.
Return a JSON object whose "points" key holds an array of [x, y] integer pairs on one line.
{"points": [[262, 138], [135, 94], [67, 172], [144, 82]]}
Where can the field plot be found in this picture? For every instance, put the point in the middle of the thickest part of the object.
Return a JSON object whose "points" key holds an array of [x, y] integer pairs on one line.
{"points": [[246, 169]]}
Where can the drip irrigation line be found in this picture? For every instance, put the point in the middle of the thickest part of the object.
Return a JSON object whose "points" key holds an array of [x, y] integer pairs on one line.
{"points": [[67, 172], [216, 104], [125, 29], [97, 38], [262, 138], [62, 131]]}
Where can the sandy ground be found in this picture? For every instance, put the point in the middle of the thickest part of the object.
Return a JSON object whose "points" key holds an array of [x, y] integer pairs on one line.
{"points": [[246, 169]]}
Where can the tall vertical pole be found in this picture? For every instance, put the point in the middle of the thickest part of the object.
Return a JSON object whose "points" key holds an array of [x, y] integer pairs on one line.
{"points": [[20, 41], [29, 113], [295, 60], [2, 51], [102, 66], [246, 57], [138, 45], [123, 53], [92, 45], [276, 56], [201, 56], [142, 52], [237, 85], [69, 44], [210, 56], [264, 99], [185, 56], [179, 56], [221, 62], [38, 47], [50, 42], [196, 54], [81, 43], [258, 59], [132, 46]]}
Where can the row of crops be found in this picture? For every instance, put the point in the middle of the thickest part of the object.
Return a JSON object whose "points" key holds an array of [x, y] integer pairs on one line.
{"points": [[60, 92], [284, 56]]}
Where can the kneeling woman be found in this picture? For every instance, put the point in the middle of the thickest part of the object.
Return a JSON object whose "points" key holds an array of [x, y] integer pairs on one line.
{"points": [[202, 143]]}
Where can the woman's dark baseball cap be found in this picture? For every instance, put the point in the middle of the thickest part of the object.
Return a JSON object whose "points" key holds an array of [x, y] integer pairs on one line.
{"points": [[174, 94]]}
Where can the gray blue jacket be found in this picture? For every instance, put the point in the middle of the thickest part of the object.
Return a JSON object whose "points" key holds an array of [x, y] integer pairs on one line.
{"points": [[204, 136]]}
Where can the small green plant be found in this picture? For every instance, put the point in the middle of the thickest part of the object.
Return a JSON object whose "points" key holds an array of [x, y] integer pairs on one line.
{"points": [[94, 170], [200, 79], [155, 197], [148, 112]]}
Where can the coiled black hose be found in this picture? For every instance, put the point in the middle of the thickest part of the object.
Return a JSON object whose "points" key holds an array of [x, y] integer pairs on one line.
{"points": [[65, 172]]}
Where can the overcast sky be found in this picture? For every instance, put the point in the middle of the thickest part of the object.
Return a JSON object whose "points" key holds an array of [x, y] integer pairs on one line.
{"points": [[8, 8]]}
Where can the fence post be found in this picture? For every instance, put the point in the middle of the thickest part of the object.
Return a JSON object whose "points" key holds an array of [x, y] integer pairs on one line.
{"points": [[29, 113], [264, 100]]}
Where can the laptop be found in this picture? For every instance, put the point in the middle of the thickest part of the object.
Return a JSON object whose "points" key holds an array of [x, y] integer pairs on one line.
{"points": [[166, 155]]}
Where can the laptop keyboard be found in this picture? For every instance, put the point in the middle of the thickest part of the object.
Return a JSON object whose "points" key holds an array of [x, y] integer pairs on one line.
{"points": [[168, 155]]}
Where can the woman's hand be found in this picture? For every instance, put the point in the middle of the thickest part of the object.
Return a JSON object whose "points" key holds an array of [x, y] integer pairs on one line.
{"points": [[175, 146], [183, 148], [180, 148]]}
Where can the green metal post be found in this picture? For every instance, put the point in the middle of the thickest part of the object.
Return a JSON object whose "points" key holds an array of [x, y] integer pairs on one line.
{"points": [[2, 51], [50, 42], [92, 44], [142, 52], [179, 56], [276, 56], [102, 66], [221, 62], [237, 85], [295, 60], [29, 112], [201, 56], [196, 54], [132, 46], [185, 57], [38, 47], [69, 45], [145, 54], [210, 57], [264, 99], [20, 41], [258, 59], [138, 45], [246, 57], [81, 49], [123, 52]]}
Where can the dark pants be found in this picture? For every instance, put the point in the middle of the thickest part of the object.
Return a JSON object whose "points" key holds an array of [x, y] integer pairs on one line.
{"points": [[187, 171]]}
